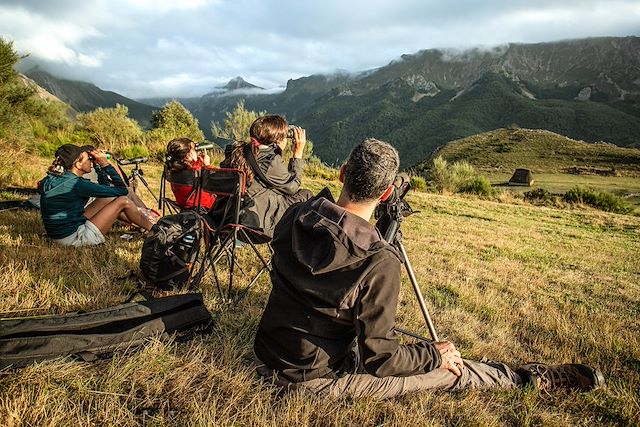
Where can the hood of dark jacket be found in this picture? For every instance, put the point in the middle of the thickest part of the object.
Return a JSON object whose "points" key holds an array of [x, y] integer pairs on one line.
{"points": [[340, 238]]}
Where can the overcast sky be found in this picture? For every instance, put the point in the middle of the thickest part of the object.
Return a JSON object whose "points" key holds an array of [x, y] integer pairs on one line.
{"points": [[143, 48]]}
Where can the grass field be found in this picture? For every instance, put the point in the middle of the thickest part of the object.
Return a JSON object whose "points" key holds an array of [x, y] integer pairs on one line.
{"points": [[512, 282], [626, 187]]}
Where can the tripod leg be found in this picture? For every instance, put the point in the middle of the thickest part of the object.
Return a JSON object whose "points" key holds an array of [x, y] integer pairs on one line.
{"points": [[416, 289], [144, 182]]}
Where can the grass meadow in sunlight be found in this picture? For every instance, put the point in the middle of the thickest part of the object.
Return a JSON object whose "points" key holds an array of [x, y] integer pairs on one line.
{"points": [[511, 282]]}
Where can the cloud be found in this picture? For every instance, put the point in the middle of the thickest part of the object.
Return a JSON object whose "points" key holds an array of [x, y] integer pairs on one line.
{"points": [[169, 48]]}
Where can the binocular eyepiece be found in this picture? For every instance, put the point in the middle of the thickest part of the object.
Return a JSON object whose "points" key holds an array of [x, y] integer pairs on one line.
{"points": [[290, 131], [205, 145]]}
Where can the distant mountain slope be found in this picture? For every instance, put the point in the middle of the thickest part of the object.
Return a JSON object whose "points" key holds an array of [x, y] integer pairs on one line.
{"points": [[84, 96], [587, 89], [417, 128], [503, 150], [40, 91]]}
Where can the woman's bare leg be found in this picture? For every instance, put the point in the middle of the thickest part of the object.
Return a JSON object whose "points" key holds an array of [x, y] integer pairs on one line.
{"points": [[134, 197], [94, 207], [105, 218]]}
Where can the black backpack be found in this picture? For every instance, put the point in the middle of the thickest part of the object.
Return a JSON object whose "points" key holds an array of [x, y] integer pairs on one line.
{"points": [[102, 332], [170, 250]]}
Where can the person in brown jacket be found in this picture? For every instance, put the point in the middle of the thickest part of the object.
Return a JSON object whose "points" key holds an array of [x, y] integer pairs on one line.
{"points": [[328, 326]]}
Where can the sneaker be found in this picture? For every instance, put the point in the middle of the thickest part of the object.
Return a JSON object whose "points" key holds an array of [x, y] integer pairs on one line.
{"points": [[569, 376]]}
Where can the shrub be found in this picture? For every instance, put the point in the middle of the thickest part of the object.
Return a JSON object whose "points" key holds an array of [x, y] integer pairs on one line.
{"points": [[462, 174], [598, 199], [134, 151], [440, 174], [538, 195], [479, 186], [418, 183], [16, 166], [451, 178], [236, 124], [314, 168], [111, 128], [61, 137]]}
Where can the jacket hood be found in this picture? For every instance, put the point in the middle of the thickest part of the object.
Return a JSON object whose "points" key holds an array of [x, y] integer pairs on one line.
{"points": [[52, 181], [340, 238]]}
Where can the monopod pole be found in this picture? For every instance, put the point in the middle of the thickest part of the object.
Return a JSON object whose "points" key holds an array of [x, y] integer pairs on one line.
{"points": [[416, 289]]}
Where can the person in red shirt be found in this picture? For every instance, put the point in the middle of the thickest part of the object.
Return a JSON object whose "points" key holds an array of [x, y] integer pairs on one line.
{"points": [[182, 155]]}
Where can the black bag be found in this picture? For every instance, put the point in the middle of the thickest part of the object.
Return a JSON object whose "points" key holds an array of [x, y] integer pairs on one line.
{"points": [[89, 335], [171, 248]]}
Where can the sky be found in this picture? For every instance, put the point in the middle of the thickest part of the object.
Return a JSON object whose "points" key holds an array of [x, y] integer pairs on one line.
{"points": [[165, 48]]}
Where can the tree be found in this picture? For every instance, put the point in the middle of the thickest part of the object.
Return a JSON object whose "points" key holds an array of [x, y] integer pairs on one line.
{"points": [[111, 128], [237, 123], [8, 58], [174, 121], [24, 115]]}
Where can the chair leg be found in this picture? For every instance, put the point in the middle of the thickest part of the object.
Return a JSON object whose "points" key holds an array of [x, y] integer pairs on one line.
{"points": [[214, 257], [266, 264], [233, 260]]}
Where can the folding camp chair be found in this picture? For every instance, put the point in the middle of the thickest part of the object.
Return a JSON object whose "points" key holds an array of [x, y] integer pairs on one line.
{"points": [[229, 187], [186, 177]]}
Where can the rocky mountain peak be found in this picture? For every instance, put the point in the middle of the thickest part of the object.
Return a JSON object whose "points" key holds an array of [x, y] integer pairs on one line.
{"points": [[239, 83]]}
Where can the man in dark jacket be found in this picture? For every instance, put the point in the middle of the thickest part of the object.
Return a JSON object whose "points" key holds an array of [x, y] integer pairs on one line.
{"points": [[328, 324]]}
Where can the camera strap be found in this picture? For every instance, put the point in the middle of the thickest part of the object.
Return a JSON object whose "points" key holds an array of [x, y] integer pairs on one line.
{"points": [[248, 154], [123, 175]]}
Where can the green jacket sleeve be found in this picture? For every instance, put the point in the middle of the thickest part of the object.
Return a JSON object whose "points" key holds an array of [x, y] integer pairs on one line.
{"points": [[109, 176], [86, 188]]}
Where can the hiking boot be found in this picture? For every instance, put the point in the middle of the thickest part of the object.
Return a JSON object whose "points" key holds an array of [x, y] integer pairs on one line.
{"points": [[570, 376]]}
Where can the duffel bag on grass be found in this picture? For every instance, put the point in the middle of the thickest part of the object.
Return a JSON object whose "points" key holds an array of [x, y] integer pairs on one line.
{"points": [[89, 335]]}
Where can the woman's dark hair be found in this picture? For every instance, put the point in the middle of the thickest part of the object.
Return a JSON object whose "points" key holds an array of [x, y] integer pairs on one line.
{"points": [[177, 149], [57, 167], [234, 158], [269, 129]]}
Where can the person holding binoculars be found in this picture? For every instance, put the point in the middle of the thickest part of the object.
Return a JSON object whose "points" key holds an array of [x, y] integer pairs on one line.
{"points": [[69, 216], [182, 155], [272, 186]]}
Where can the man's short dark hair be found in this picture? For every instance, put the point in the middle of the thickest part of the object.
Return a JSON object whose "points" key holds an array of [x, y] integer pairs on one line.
{"points": [[370, 170]]}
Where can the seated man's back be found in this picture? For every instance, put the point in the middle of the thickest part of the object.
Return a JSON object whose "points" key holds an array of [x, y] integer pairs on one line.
{"points": [[334, 276]]}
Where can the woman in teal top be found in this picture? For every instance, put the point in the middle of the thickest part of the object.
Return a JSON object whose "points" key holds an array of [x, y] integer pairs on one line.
{"points": [[67, 217]]}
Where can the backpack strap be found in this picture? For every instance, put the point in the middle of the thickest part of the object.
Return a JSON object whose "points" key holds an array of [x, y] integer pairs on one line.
{"points": [[251, 158]]}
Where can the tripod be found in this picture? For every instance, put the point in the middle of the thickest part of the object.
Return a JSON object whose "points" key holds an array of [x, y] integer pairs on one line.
{"points": [[414, 282], [390, 214], [136, 174]]}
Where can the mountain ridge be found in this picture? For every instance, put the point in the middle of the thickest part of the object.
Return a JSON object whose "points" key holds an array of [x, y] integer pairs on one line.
{"points": [[83, 96], [586, 89]]}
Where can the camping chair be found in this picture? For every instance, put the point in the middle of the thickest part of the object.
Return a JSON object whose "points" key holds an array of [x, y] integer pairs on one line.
{"points": [[229, 187], [186, 177]]}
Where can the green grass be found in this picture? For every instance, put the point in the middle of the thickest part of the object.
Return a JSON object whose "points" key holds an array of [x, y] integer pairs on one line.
{"points": [[504, 150], [514, 283]]}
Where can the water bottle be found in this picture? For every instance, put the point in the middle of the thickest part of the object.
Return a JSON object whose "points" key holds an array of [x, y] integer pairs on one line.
{"points": [[184, 247]]}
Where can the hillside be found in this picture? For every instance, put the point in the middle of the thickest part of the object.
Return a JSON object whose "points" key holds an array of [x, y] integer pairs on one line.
{"points": [[84, 97], [587, 89], [503, 150]]}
